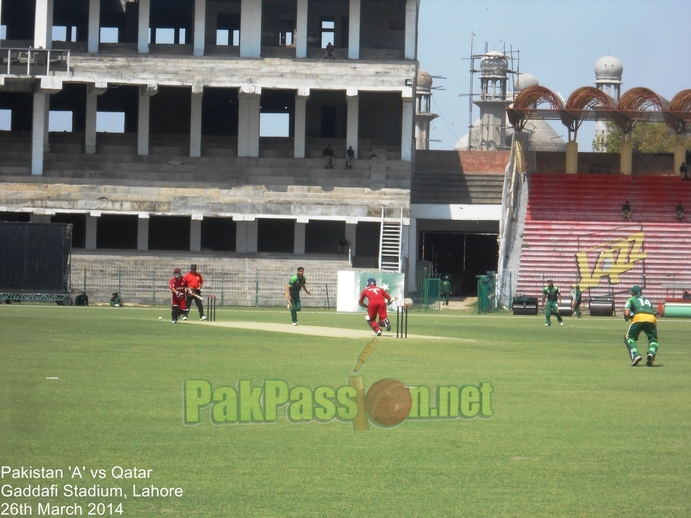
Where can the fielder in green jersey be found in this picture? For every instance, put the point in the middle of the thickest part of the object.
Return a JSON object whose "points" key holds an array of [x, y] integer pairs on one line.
{"points": [[553, 296], [295, 284], [640, 311], [576, 296], [445, 291]]}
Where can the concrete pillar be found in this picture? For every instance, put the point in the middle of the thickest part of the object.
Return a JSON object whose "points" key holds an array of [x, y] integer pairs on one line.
{"points": [[43, 28], [92, 93], [626, 156], [301, 30], [143, 29], [38, 132], [143, 125], [679, 153], [412, 251], [240, 236], [299, 237], [572, 157], [145, 94], [252, 235], [353, 119], [196, 233], [354, 30], [49, 31], [249, 99], [90, 237], [46, 132], [143, 232], [251, 29], [94, 26], [407, 125], [196, 121], [350, 233], [411, 12], [199, 26], [90, 129], [246, 235], [405, 247], [301, 96]]}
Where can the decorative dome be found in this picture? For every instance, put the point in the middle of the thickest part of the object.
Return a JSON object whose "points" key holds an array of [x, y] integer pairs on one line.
{"points": [[424, 80], [608, 69], [524, 80], [494, 63]]}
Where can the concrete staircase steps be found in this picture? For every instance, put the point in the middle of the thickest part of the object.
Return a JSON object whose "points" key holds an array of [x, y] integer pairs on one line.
{"points": [[116, 149], [64, 147], [15, 170], [171, 151], [457, 188], [16, 161], [145, 177], [9, 150]]}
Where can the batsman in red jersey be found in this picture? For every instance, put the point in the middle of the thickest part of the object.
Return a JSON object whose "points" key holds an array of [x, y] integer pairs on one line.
{"points": [[178, 288], [377, 299]]}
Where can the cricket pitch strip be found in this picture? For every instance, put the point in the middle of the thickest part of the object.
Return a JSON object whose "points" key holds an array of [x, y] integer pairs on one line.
{"points": [[329, 332]]}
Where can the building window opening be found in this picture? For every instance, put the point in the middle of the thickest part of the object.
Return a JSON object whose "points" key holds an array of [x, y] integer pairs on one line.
{"points": [[223, 37], [286, 35], [328, 31], [165, 36], [67, 34], [110, 122], [274, 125], [60, 121], [5, 120], [109, 35], [228, 29]]}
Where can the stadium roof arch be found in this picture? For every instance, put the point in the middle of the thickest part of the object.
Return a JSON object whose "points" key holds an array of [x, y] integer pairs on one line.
{"points": [[526, 102], [678, 115], [591, 104], [581, 103], [638, 104]]}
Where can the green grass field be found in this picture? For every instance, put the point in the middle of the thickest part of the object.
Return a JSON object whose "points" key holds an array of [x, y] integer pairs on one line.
{"points": [[574, 432]]}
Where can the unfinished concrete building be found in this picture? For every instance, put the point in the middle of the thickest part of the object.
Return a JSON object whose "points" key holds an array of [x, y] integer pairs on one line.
{"points": [[197, 126]]}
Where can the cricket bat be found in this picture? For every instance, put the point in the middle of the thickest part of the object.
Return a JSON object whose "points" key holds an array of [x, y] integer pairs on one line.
{"points": [[195, 296]]}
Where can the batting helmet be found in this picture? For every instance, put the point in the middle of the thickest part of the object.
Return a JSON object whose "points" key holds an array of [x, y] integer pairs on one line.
{"points": [[371, 282]]}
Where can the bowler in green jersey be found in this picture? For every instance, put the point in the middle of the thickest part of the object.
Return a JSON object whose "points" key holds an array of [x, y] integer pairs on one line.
{"points": [[296, 283]]}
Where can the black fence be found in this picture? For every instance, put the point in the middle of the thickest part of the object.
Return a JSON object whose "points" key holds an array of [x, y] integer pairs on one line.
{"points": [[35, 257]]}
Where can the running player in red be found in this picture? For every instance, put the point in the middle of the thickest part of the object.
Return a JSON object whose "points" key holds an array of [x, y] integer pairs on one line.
{"points": [[178, 289], [377, 299]]}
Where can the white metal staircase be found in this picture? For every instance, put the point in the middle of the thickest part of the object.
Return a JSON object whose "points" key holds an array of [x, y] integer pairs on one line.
{"points": [[390, 243]]}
